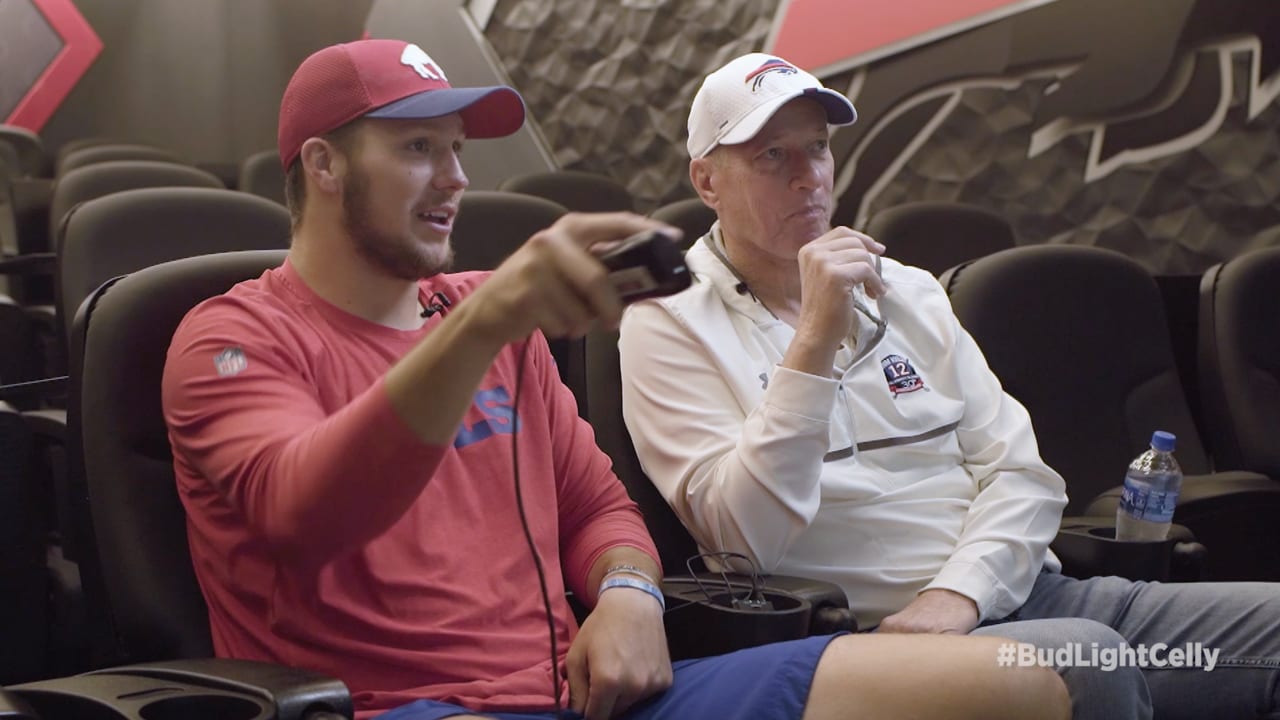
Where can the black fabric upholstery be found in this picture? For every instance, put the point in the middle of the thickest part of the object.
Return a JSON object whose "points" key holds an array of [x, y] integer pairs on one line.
{"points": [[21, 355], [570, 355], [262, 175], [24, 232], [24, 607], [1239, 351], [117, 234], [690, 215], [1078, 335], [94, 181], [140, 580], [491, 224], [31, 198], [8, 217], [122, 232], [72, 146], [1181, 296], [110, 152], [576, 190], [28, 150], [604, 410], [935, 236]]}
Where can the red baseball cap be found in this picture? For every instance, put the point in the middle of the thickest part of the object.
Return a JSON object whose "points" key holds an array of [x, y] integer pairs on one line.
{"points": [[385, 79]]}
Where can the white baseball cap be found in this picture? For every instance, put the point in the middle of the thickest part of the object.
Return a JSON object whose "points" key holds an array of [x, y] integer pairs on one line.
{"points": [[737, 100]]}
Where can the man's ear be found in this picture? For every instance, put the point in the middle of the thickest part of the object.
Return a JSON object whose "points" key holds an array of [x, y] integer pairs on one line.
{"points": [[323, 164], [701, 176]]}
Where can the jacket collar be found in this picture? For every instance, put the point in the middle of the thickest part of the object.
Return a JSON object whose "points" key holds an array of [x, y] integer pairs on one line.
{"points": [[707, 260]]}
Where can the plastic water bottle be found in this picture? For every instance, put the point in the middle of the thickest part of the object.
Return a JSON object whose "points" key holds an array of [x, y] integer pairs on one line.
{"points": [[1151, 490]]}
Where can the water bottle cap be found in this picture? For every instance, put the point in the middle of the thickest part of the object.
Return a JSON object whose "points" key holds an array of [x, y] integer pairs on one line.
{"points": [[1163, 441]]}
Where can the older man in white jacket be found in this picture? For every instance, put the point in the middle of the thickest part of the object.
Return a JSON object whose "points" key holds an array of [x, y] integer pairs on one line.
{"points": [[818, 409]]}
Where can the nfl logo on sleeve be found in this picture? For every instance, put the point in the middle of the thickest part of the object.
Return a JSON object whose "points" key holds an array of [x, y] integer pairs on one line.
{"points": [[230, 361]]}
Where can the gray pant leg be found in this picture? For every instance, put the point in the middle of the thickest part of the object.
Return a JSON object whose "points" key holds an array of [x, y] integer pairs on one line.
{"points": [[1095, 694], [1239, 620]]}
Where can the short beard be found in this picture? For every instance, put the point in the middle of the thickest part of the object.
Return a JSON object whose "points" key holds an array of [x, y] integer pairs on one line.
{"points": [[396, 256]]}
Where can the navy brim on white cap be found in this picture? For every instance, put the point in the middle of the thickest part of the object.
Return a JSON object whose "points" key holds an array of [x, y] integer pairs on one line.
{"points": [[736, 101]]}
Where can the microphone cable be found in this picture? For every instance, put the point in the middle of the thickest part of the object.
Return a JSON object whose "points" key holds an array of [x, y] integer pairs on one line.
{"points": [[657, 254], [439, 303], [528, 535]]}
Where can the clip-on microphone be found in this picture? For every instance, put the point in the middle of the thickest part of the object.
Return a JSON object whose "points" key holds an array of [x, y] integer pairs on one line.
{"points": [[438, 304]]}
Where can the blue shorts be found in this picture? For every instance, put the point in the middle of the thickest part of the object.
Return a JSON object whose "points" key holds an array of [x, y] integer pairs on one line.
{"points": [[769, 682]]}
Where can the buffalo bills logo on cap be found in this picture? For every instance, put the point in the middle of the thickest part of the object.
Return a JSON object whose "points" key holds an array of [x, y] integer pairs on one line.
{"points": [[757, 76], [902, 378], [416, 58], [230, 361]]}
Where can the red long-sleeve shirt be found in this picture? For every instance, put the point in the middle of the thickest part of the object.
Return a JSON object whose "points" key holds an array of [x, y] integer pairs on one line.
{"points": [[284, 442]]}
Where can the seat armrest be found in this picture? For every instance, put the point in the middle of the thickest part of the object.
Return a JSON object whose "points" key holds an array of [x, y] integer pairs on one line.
{"points": [[13, 707], [31, 198], [1209, 493], [205, 687], [50, 424], [830, 606], [706, 617], [50, 428], [44, 263], [828, 601], [34, 389], [32, 194], [1227, 511]]}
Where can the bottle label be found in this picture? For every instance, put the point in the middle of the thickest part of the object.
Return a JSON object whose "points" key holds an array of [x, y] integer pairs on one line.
{"points": [[1144, 503]]}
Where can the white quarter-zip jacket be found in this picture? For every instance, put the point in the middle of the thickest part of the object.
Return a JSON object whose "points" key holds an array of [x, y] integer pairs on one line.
{"points": [[909, 468]]}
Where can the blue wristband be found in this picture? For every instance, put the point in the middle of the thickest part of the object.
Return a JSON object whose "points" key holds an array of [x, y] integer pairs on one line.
{"points": [[633, 583], [630, 570]]}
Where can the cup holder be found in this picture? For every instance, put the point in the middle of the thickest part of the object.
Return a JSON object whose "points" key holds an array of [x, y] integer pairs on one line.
{"points": [[203, 706], [1088, 547], [1108, 532], [699, 625], [778, 604]]}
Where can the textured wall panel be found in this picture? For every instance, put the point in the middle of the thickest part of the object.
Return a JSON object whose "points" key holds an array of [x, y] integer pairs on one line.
{"points": [[611, 82], [1177, 214]]}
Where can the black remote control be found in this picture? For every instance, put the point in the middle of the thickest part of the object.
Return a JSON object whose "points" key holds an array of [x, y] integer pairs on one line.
{"points": [[646, 265]]}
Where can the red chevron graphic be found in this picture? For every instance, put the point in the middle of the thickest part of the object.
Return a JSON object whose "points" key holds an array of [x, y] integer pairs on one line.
{"points": [[829, 36], [80, 47]]}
